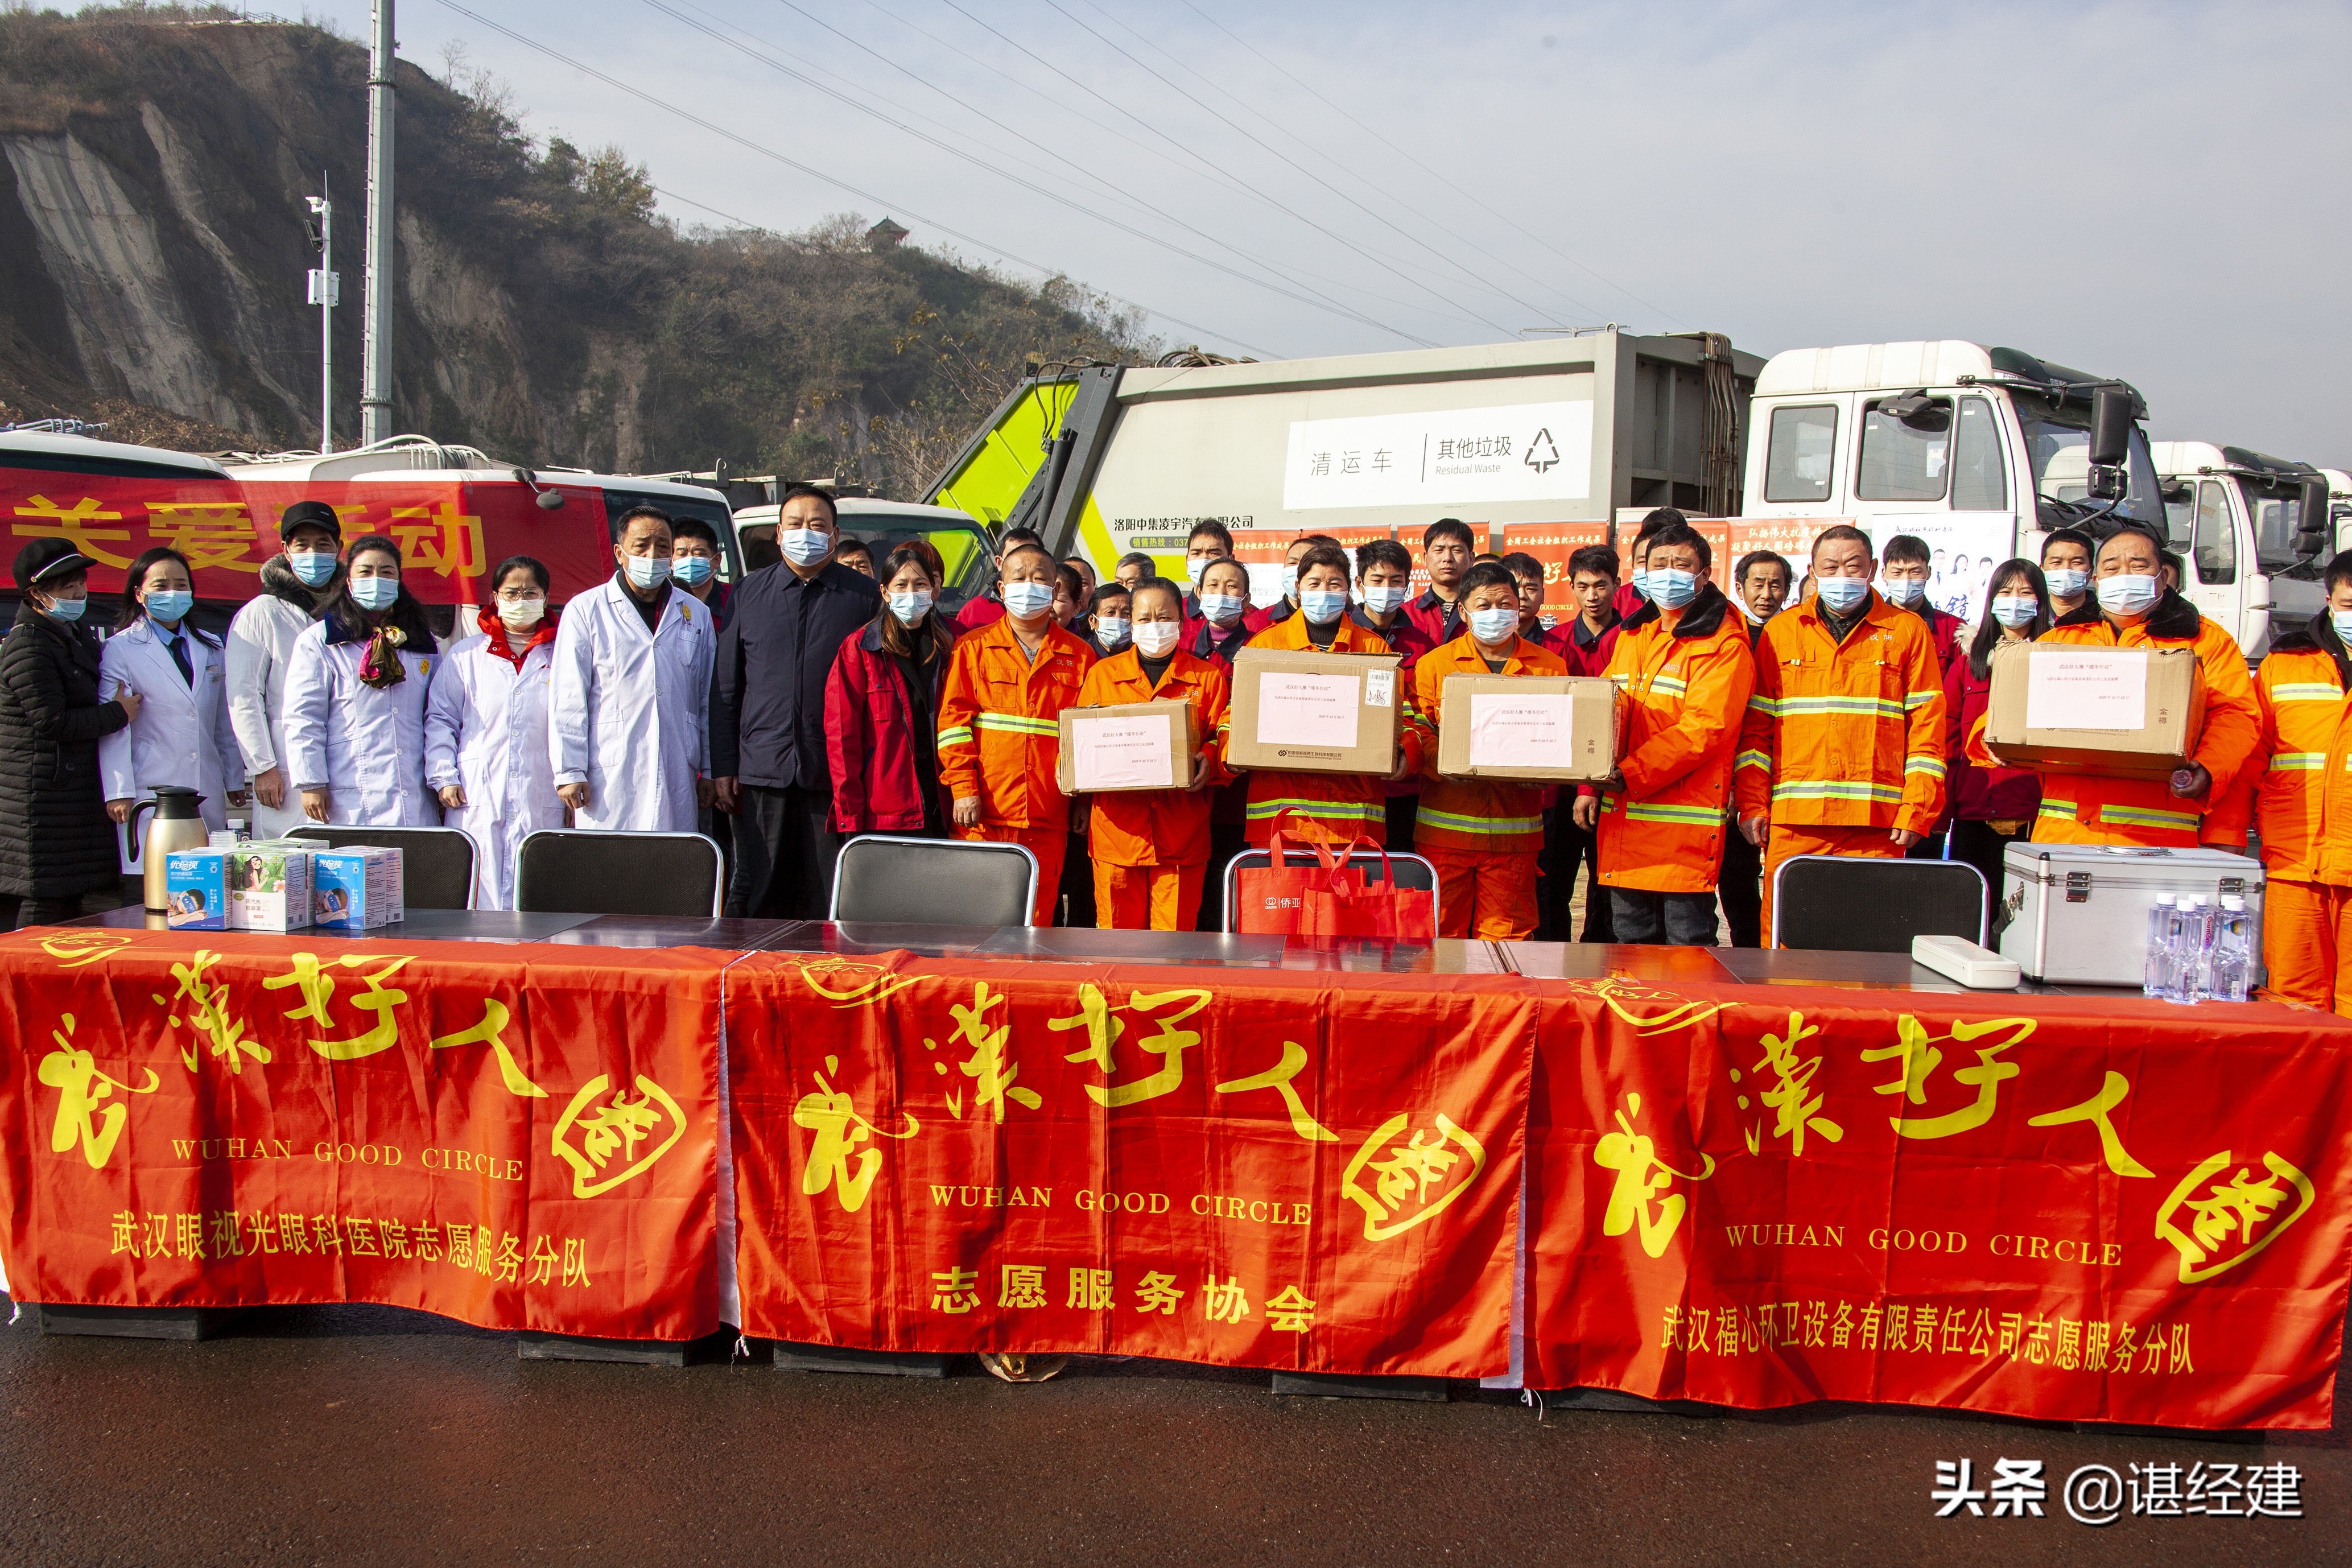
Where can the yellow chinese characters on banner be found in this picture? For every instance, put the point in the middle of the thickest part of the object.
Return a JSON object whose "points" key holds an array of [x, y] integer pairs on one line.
{"points": [[600, 1142], [2234, 1219], [82, 1115], [832, 1115], [1413, 1180], [1639, 1199]]}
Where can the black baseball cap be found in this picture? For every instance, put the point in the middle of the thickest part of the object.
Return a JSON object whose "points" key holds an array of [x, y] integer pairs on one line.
{"points": [[310, 514], [46, 559]]}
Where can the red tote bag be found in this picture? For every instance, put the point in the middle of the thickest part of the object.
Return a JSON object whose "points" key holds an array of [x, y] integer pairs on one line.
{"points": [[1271, 900], [1381, 912]]}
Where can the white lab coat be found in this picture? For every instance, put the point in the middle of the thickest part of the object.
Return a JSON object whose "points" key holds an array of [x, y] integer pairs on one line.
{"points": [[631, 715], [182, 735], [365, 746], [486, 732], [260, 641]]}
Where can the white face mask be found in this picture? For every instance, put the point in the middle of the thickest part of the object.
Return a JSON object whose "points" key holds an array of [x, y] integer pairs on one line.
{"points": [[1156, 639], [805, 546], [522, 615], [1383, 597]]}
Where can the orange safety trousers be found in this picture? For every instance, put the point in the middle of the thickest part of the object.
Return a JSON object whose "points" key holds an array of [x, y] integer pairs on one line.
{"points": [[1147, 897], [1050, 845], [2307, 943], [1490, 897], [1784, 842]]}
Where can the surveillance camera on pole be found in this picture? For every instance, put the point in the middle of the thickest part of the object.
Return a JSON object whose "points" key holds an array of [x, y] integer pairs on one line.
{"points": [[326, 292]]}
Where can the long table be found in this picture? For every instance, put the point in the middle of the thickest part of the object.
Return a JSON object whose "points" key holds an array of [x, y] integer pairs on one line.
{"points": [[1749, 1178]]}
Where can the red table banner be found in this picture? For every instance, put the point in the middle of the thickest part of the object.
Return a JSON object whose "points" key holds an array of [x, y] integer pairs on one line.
{"points": [[2052, 1207], [1233, 1166], [518, 1137]]}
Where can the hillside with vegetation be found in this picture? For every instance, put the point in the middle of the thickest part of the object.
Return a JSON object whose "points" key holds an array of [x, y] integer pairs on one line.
{"points": [[153, 226]]}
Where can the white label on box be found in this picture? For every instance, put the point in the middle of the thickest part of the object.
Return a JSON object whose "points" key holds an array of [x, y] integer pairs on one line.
{"points": [[1509, 730], [1307, 710], [1379, 689], [1132, 753], [2085, 689]]}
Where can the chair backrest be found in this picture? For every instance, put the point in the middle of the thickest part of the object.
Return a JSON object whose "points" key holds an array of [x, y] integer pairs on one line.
{"points": [[1411, 870], [571, 872], [436, 864], [1855, 903], [933, 881]]}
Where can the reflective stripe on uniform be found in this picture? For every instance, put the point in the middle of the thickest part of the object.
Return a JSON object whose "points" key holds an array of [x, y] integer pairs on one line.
{"points": [[1016, 723], [1930, 765], [2142, 816], [1919, 700], [1826, 707], [1768, 706], [2300, 760], [959, 736], [1836, 789], [1680, 816], [1672, 685], [2306, 691], [1343, 810], [1455, 822], [1754, 759]]}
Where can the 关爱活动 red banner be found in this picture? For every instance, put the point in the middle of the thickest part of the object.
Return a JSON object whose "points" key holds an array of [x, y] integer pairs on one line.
{"points": [[1218, 1165], [518, 1137], [2056, 1207]]}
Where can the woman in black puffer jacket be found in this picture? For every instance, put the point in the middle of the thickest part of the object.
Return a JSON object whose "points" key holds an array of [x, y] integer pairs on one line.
{"points": [[55, 843]]}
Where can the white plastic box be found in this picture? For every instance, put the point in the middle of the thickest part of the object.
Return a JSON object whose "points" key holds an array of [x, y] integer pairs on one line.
{"points": [[2078, 912]]}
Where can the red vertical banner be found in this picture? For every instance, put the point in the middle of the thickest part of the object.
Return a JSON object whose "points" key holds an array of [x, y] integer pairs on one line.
{"points": [[1552, 543], [1220, 1166], [515, 1137], [2075, 1210]]}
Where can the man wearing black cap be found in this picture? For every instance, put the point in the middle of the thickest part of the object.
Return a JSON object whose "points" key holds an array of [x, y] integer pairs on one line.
{"points": [[55, 843], [296, 585]]}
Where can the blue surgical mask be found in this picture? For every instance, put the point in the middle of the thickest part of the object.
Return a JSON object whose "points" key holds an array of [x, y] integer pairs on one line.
{"points": [[1112, 631], [1197, 567], [1290, 583], [911, 607], [1671, 589], [1220, 609], [2342, 620], [1323, 605], [2068, 583], [1386, 597], [805, 546], [1640, 581], [377, 593], [1903, 590], [313, 566], [168, 604], [1494, 625], [691, 570], [2013, 609], [2132, 593], [647, 571], [68, 609], [1840, 595], [1026, 599]]}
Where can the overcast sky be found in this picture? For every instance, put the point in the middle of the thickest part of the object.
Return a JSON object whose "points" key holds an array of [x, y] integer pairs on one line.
{"points": [[2152, 190]]}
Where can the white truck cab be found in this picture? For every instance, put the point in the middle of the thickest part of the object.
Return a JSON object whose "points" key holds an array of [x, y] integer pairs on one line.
{"points": [[2236, 519]]}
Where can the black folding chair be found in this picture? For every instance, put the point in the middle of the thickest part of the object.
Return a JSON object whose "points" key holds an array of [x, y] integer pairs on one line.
{"points": [[436, 864], [1852, 903], [562, 870], [1411, 870], [933, 881]]}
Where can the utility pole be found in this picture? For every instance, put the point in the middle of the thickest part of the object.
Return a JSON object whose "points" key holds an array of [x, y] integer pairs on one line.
{"points": [[326, 292], [375, 393]]}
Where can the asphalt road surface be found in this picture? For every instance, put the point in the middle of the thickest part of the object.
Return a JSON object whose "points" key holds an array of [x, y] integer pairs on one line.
{"points": [[359, 1434]]}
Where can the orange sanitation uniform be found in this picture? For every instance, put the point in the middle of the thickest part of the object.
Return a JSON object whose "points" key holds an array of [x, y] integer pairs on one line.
{"points": [[1843, 742], [1333, 807], [1150, 848], [1483, 835], [1000, 740], [2303, 810], [1686, 693]]}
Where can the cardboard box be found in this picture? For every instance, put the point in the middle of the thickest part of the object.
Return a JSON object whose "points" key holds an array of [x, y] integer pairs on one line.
{"points": [[2120, 713], [355, 889], [196, 889], [1315, 712], [1125, 746], [1547, 729], [269, 885]]}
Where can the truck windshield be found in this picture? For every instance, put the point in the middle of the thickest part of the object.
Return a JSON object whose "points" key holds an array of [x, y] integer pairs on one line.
{"points": [[2058, 444], [2277, 516]]}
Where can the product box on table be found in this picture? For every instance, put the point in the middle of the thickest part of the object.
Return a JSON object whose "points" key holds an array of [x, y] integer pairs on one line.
{"points": [[1551, 729], [1315, 712], [355, 889], [1127, 746], [2079, 912], [196, 889], [2120, 713], [269, 884]]}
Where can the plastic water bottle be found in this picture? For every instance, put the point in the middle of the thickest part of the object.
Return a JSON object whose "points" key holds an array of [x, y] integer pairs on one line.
{"points": [[2232, 950], [2191, 919], [2154, 975]]}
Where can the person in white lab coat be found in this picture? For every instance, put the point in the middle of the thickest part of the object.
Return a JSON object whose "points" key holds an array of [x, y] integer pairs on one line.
{"points": [[629, 730], [356, 684], [295, 585], [486, 728], [182, 735]]}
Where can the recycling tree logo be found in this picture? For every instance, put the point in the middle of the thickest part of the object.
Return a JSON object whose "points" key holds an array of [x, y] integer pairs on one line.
{"points": [[1541, 455]]}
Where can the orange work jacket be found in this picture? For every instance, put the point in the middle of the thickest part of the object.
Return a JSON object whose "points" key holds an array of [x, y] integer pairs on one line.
{"points": [[1474, 816], [1000, 713], [1159, 827], [2303, 799], [1331, 807], [2083, 808], [1843, 734], [1685, 695]]}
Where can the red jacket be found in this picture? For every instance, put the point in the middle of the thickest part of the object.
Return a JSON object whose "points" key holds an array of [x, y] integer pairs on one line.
{"points": [[879, 778], [1402, 636], [1583, 658], [1978, 794], [982, 611], [1944, 631], [1221, 644], [1438, 621]]}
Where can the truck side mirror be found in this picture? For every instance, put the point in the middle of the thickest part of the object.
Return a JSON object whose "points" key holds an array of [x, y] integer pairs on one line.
{"points": [[2111, 426], [2316, 518]]}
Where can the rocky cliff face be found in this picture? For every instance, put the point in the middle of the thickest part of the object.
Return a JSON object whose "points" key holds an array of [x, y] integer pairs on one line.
{"points": [[152, 252]]}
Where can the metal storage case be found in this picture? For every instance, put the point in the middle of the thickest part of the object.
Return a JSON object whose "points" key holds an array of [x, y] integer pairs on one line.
{"points": [[2078, 912]]}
